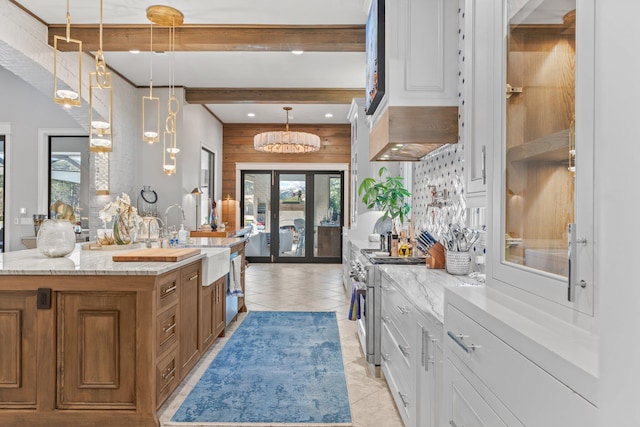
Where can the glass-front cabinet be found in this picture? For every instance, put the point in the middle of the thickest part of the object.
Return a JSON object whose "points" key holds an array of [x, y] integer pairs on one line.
{"points": [[543, 163]]}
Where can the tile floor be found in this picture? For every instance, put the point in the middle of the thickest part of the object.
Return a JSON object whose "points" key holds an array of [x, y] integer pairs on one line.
{"points": [[308, 287]]}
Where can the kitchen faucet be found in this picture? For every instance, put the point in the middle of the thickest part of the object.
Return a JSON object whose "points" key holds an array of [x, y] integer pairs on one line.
{"points": [[166, 212]]}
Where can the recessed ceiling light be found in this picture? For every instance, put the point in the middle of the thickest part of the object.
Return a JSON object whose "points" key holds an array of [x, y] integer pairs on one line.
{"points": [[328, 115], [251, 114], [134, 51], [297, 52]]}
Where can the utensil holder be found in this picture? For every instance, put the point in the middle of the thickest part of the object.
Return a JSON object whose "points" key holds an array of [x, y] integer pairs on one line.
{"points": [[435, 256], [458, 263]]}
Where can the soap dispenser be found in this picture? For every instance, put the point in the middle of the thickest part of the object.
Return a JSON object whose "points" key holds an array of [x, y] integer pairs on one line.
{"points": [[182, 235]]}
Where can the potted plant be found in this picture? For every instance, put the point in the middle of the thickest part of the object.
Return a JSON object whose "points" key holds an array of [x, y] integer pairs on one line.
{"points": [[387, 195]]}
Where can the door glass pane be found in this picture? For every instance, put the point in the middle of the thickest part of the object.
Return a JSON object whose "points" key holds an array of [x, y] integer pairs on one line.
{"points": [[540, 113], [257, 212], [291, 227], [327, 214], [69, 180]]}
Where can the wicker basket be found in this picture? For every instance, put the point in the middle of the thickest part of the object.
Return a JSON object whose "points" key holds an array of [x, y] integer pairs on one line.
{"points": [[458, 263]]}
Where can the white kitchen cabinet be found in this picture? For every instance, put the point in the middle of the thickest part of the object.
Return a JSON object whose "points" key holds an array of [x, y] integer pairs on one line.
{"points": [[486, 376], [479, 30], [361, 167], [541, 162], [398, 350], [411, 351], [429, 370]]}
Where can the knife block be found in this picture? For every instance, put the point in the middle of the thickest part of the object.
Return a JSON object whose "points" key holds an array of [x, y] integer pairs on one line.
{"points": [[435, 257]]}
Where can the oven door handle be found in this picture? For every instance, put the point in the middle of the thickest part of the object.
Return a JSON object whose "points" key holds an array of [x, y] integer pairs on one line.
{"points": [[361, 288]]}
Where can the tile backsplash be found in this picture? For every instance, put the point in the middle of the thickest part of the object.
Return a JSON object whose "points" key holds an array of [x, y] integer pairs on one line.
{"points": [[442, 171]]}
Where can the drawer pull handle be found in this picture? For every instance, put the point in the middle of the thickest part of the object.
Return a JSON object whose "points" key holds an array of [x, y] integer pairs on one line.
{"points": [[194, 277], [385, 357], [404, 349], [168, 373], [169, 290], [168, 328], [404, 309], [425, 349], [385, 319], [468, 348], [403, 397]]}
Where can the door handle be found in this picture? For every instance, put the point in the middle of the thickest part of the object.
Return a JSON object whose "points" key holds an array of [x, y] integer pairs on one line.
{"points": [[572, 264]]}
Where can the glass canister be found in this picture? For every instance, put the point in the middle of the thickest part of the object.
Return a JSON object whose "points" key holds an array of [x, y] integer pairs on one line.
{"points": [[56, 238], [147, 202]]}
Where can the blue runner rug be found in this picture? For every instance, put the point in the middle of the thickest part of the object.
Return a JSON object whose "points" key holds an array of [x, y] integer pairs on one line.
{"points": [[277, 367]]}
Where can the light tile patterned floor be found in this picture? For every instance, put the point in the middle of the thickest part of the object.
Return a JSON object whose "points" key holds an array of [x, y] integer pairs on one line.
{"points": [[310, 287]]}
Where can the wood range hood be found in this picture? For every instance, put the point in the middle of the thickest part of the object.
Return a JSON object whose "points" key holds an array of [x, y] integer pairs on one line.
{"points": [[409, 133]]}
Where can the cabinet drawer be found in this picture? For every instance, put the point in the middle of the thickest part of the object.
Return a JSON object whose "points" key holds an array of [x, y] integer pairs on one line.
{"points": [[166, 375], [398, 376], [168, 291], [397, 361], [467, 406], [190, 273], [534, 396], [397, 310], [167, 329]]}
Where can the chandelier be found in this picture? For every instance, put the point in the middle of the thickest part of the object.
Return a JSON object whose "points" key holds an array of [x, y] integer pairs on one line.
{"points": [[286, 141]]}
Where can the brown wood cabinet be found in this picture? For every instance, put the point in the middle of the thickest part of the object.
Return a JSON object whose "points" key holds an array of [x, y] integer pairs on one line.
{"points": [[18, 329], [190, 345], [108, 350], [213, 308], [328, 241]]}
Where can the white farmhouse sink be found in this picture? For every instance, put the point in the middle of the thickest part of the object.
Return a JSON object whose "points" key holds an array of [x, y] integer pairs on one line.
{"points": [[214, 265]]}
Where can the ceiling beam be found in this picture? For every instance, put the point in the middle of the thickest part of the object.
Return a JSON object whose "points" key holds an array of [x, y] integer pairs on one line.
{"points": [[193, 38], [271, 96]]}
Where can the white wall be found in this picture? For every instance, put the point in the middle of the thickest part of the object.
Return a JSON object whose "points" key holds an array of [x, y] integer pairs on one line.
{"points": [[617, 205], [22, 106]]}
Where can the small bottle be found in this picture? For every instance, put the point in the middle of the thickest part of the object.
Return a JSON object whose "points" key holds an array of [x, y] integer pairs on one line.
{"points": [[394, 244], [182, 235]]}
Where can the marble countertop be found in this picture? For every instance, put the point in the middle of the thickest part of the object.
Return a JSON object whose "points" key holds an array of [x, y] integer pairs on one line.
{"points": [[425, 287], [85, 262]]}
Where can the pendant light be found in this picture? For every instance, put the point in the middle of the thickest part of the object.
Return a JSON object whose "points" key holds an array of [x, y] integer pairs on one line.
{"points": [[151, 105], [100, 92], [170, 17], [71, 96], [286, 141]]}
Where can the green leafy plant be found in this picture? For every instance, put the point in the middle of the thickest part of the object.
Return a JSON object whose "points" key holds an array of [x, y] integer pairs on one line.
{"points": [[387, 194]]}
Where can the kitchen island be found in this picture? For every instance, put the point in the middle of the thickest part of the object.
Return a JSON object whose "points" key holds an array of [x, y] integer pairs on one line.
{"points": [[88, 341]]}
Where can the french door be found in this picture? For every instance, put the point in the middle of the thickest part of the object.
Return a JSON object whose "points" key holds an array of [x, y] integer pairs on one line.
{"points": [[296, 215]]}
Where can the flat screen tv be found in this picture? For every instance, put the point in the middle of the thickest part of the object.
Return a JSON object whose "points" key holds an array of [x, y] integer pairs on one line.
{"points": [[375, 56]]}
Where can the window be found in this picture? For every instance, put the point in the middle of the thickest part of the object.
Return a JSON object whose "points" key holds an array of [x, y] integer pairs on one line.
{"points": [[69, 179], [207, 184]]}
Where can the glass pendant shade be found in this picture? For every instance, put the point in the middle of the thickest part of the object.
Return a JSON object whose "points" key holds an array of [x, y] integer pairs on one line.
{"points": [[102, 173], [150, 118], [169, 160], [72, 95], [100, 90], [69, 97]]}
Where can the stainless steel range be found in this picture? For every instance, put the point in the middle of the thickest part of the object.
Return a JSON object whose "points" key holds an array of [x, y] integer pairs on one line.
{"points": [[366, 280]]}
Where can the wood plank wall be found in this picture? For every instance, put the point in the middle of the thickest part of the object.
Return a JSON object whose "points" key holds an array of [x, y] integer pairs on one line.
{"points": [[237, 146]]}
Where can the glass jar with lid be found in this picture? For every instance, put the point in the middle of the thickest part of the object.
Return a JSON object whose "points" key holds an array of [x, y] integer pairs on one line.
{"points": [[147, 202]]}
